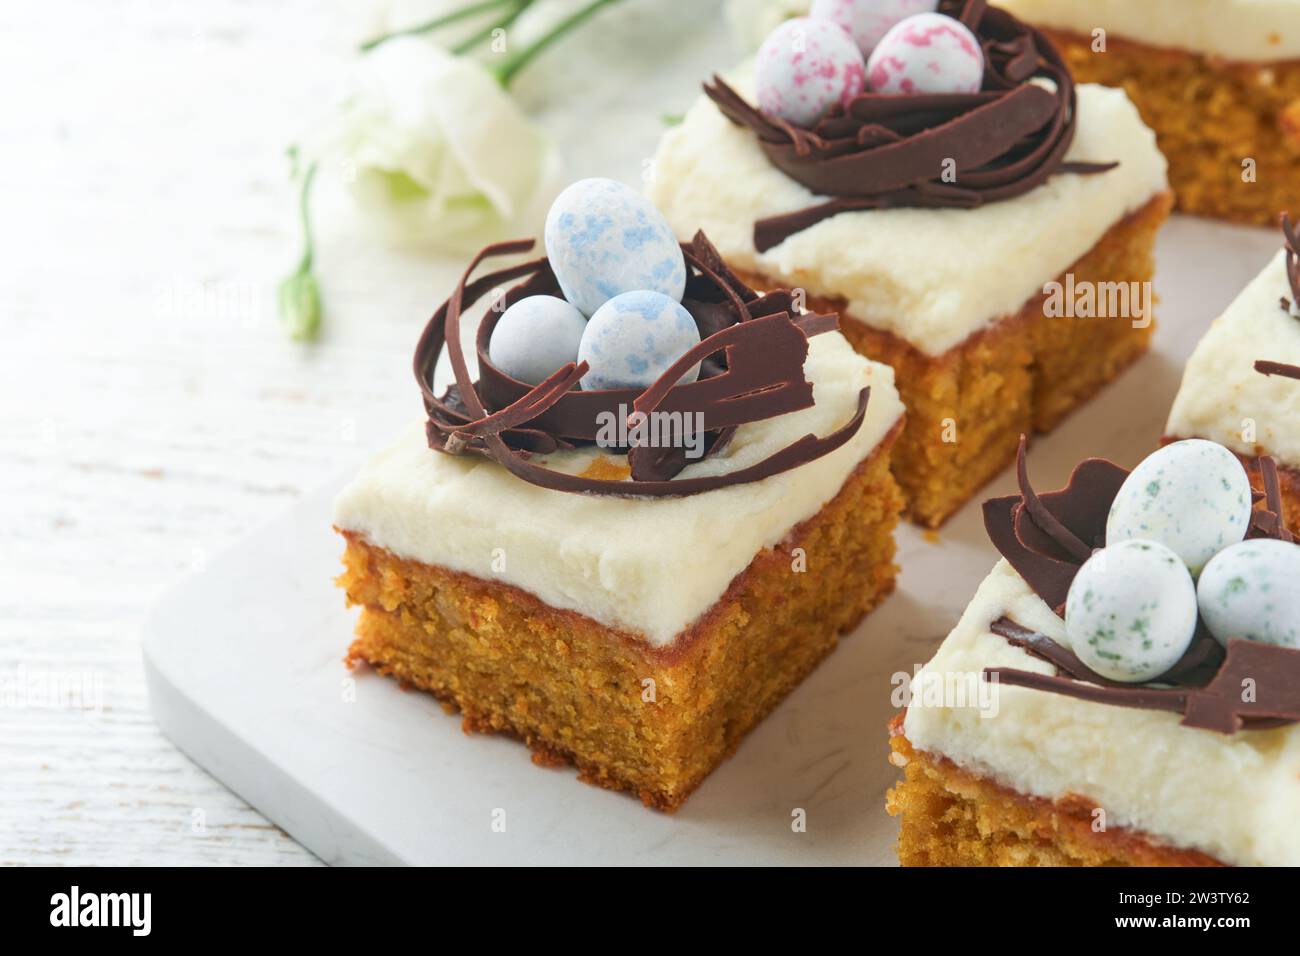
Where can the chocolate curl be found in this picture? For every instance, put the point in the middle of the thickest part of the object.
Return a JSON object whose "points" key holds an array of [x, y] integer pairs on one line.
{"points": [[1046, 649], [460, 421], [1256, 688], [543, 396], [1196, 667], [1269, 521], [1046, 538], [1292, 238], [883, 151], [763, 378], [1045, 521]]}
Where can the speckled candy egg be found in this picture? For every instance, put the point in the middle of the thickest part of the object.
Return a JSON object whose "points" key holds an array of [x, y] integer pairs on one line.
{"points": [[1252, 590], [1131, 611], [536, 336], [868, 20], [927, 53], [1192, 496], [604, 238], [804, 67], [633, 339]]}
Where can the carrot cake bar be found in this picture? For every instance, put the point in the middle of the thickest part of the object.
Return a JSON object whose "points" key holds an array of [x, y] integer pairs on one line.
{"points": [[1218, 80], [648, 518], [1240, 388], [994, 246], [1124, 689]]}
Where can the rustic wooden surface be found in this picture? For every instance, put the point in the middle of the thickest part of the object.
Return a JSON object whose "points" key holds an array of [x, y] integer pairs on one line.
{"points": [[153, 411]]}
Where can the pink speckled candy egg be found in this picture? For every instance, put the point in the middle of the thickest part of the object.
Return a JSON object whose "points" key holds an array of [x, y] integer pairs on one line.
{"points": [[927, 53], [804, 67], [868, 20]]}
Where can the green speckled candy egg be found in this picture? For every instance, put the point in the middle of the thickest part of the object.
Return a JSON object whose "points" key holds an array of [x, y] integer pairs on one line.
{"points": [[1131, 611], [1252, 590], [1191, 496]]}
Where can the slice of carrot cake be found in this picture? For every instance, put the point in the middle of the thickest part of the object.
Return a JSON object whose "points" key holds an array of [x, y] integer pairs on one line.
{"points": [[1124, 689], [989, 235], [644, 521]]}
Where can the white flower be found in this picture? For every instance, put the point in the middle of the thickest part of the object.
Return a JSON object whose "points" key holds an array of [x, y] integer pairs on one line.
{"points": [[436, 152]]}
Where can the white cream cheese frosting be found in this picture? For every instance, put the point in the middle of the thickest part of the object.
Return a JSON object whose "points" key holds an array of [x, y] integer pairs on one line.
{"points": [[930, 276], [1223, 398], [648, 566], [1246, 30], [1233, 797]]}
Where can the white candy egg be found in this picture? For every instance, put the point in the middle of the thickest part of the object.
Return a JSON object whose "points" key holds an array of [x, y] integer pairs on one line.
{"points": [[604, 238], [1131, 611], [868, 20], [1252, 589], [633, 339], [804, 67], [1192, 496], [536, 336], [927, 53]]}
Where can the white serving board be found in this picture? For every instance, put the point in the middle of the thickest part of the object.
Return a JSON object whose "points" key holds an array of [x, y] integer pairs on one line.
{"points": [[244, 663]]}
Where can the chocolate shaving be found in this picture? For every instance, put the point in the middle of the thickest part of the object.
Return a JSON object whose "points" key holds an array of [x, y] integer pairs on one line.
{"points": [[883, 151], [1292, 241], [1269, 521], [1197, 665], [1046, 649], [1046, 538], [752, 355], [1265, 367], [1257, 687]]}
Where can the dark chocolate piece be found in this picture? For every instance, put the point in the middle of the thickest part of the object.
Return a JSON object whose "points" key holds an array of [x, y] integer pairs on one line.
{"points": [[1256, 688], [751, 356], [1033, 537], [1265, 367], [1292, 242], [1269, 522], [881, 150]]}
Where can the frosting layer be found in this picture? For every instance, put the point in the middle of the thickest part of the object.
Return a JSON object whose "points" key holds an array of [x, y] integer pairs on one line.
{"points": [[931, 276], [1233, 797], [1222, 394], [1250, 30], [648, 566]]}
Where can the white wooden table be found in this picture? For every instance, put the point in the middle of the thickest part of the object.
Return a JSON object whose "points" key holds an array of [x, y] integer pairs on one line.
{"points": [[151, 409]]}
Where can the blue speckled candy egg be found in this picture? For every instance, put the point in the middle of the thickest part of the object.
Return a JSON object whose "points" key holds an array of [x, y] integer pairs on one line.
{"points": [[604, 238], [868, 20], [927, 53], [633, 339], [804, 67], [536, 336], [1252, 589], [1192, 496], [1131, 611]]}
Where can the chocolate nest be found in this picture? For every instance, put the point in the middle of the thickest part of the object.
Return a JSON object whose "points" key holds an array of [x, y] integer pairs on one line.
{"points": [[751, 358], [1048, 537], [887, 150]]}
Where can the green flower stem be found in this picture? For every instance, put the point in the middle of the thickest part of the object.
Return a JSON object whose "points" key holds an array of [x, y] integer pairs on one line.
{"points": [[513, 64], [299, 293], [304, 219], [447, 19], [469, 43]]}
